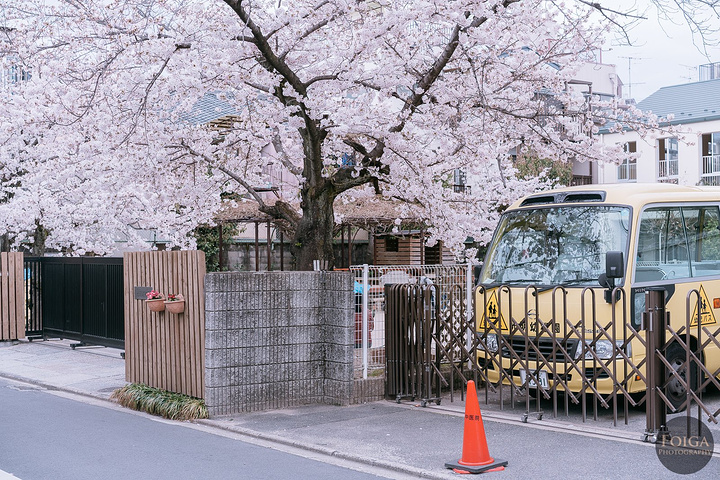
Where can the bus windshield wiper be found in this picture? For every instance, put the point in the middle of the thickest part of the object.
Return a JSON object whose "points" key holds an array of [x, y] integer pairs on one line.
{"points": [[567, 283], [510, 283]]}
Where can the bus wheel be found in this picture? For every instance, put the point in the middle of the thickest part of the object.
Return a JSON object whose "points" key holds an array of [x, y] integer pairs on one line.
{"points": [[675, 390]]}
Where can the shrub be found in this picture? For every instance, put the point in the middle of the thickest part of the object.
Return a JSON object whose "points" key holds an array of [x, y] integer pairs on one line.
{"points": [[174, 406]]}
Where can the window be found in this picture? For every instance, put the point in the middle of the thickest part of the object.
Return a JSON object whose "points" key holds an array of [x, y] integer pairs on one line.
{"points": [[678, 242], [668, 160], [460, 181], [13, 74], [711, 158], [391, 244], [627, 170]]}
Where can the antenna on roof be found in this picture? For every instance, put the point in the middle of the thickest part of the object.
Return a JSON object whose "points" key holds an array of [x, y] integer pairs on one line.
{"points": [[630, 84], [689, 77]]}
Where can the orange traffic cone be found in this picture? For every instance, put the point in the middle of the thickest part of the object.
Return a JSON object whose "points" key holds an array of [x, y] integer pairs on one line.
{"points": [[475, 455]]}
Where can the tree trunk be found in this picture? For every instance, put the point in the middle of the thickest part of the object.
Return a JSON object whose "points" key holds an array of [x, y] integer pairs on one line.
{"points": [[314, 235], [38, 245]]}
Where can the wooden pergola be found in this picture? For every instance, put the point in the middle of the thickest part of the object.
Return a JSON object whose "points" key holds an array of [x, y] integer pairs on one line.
{"points": [[373, 214]]}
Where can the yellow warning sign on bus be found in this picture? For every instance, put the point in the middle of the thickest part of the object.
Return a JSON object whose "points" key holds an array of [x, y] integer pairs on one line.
{"points": [[492, 315], [707, 317]]}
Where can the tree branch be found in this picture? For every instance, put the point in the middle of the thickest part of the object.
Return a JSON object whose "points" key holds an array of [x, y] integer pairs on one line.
{"points": [[309, 32], [280, 210], [211, 161], [277, 144], [261, 42], [320, 78]]}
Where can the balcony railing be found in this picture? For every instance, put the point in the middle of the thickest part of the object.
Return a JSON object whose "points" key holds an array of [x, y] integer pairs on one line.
{"points": [[627, 172], [581, 180], [710, 170], [668, 171], [462, 189], [711, 164]]}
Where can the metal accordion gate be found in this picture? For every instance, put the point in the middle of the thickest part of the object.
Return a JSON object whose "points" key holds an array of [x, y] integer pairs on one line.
{"points": [[434, 345]]}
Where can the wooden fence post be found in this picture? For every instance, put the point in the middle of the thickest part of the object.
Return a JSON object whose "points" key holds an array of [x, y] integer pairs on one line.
{"points": [[163, 349], [12, 296]]}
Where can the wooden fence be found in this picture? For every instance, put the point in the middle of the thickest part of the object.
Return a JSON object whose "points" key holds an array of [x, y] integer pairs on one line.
{"points": [[162, 349], [12, 296]]}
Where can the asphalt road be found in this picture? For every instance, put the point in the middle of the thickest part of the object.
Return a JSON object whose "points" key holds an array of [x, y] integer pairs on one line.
{"points": [[46, 435]]}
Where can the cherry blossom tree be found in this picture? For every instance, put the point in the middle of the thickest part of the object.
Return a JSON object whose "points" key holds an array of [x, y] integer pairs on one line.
{"points": [[107, 135]]}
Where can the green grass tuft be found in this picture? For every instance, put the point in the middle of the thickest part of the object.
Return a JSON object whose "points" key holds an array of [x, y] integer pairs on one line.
{"points": [[174, 406]]}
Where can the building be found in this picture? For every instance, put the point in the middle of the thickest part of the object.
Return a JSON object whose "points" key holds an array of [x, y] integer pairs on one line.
{"points": [[691, 156], [601, 81], [593, 79]]}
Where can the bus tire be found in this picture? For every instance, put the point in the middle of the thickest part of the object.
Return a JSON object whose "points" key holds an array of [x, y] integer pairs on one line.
{"points": [[675, 391]]}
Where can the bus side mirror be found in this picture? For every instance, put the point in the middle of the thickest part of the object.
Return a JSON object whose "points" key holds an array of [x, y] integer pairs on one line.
{"points": [[614, 268], [614, 265], [605, 282]]}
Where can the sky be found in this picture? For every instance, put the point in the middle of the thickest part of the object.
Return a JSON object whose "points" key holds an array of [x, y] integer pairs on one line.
{"points": [[664, 55]]}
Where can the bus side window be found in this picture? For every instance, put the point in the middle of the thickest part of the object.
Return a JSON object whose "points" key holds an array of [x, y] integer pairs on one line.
{"points": [[677, 242], [662, 251], [703, 239]]}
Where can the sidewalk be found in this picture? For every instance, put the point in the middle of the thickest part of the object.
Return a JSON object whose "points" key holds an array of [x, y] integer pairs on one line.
{"points": [[404, 438]]}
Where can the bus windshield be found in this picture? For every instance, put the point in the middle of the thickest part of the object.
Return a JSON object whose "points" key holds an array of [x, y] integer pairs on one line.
{"points": [[555, 245]]}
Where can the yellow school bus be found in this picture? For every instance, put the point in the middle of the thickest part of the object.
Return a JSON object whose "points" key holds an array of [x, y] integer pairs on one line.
{"points": [[597, 242]]}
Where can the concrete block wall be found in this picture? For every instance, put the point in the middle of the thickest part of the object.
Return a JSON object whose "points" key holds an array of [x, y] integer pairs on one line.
{"points": [[277, 340]]}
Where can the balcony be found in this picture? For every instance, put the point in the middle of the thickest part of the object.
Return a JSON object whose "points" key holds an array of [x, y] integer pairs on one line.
{"points": [[668, 170], [710, 170], [466, 189], [627, 172]]}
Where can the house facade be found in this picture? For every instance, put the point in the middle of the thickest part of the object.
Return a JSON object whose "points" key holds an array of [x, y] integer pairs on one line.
{"points": [[689, 156]]}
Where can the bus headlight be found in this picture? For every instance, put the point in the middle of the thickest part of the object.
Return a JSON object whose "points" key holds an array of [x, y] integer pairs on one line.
{"points": [[491, 342], [603, 349]]}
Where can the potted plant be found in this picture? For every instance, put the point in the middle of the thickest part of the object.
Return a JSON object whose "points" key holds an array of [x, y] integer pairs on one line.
{"points": [[175, 303], [155, 301]]}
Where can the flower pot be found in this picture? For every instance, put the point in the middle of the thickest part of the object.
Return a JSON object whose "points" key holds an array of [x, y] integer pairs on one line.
{"points": [[177, 306], [156, 304]]}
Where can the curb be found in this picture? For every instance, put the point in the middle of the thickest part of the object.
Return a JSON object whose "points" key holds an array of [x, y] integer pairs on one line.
{"points": [[55, 388], [393, 467], [406, 469]]}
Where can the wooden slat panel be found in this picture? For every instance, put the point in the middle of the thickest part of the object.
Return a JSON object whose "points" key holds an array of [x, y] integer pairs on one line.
{"points": [[198, 271], [172, 268], [154, 326], [201, 312], [4, 294], [12, 296], [188, 329], [164, 350], [16, 274], [129, 349], [163, 324]]}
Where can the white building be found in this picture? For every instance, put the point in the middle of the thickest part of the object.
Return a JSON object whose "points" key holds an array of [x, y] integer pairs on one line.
{"points": [[601, 81], [593, 79], [692, 156]]}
